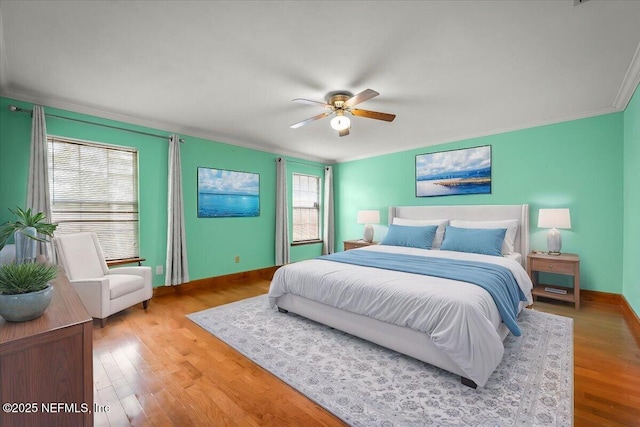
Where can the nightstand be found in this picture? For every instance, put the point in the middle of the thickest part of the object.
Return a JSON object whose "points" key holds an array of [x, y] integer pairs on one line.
{"points": [[567, 264], [353, 244]]}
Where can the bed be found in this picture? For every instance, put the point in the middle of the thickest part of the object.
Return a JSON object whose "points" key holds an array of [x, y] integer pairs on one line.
{"points": [[446, 322]]}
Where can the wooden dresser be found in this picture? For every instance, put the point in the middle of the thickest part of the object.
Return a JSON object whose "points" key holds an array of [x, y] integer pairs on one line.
{"points": [[46, 365]]}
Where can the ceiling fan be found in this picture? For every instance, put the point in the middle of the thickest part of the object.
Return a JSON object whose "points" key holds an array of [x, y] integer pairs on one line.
{"points": [[339, 103]]}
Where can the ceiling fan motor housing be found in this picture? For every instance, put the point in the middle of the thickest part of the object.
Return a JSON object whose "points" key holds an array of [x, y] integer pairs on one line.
{"points": [[338, 100]]}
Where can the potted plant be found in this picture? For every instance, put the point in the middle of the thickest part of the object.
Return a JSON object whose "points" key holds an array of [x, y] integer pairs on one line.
{"points": [[25, 291], [27, 229]]}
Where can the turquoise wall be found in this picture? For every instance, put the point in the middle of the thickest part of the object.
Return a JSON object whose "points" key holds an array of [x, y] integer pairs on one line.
{"points": [[631, 246], [212, 243], [576, 164]]}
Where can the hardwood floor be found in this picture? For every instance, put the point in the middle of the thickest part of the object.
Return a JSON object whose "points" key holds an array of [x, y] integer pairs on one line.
{"points": [[606, 364], [157, 368]]}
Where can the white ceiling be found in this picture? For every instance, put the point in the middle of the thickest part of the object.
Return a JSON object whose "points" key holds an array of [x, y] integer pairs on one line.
{"points": [[227, 71]]}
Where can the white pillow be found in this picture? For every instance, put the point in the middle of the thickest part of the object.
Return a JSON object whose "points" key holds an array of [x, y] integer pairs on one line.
{"points": [[509, 238], [441, 223]]}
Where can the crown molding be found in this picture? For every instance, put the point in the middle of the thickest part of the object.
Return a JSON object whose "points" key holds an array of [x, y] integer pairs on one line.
{"points": [[629, 83], [189, 132], [170, 128], [491, 132]]}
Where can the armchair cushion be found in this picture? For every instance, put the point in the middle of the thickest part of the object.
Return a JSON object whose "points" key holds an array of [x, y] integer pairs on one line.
{"points": [[122, 284]]}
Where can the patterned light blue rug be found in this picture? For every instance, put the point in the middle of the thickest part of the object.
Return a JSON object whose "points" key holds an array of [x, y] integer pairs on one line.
{"points": [[367, 385]]}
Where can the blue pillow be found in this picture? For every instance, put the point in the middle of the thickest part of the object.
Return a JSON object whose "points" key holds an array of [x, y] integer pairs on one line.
{"points": [[412, 237], [487, 241]]}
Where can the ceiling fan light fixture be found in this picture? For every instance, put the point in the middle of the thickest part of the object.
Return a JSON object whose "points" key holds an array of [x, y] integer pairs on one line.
{"points": [[340, 122]]}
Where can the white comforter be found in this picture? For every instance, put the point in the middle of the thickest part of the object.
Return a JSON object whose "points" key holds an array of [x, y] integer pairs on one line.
{"points": [[461, 318]]}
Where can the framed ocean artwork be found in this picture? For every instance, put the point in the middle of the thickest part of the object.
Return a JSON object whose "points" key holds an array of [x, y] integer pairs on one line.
{"points": [[447, 173], [226, 193]]}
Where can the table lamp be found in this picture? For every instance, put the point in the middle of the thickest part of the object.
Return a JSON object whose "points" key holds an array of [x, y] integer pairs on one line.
{"points": [[554, 219], [368, 218]]}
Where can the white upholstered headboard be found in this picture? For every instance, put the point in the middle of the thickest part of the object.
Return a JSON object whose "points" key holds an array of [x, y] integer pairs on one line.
{"points": [[473, 213]]}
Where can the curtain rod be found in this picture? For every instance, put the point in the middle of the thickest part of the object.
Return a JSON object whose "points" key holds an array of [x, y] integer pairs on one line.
{"points": [[14, 109], [302, 163]]}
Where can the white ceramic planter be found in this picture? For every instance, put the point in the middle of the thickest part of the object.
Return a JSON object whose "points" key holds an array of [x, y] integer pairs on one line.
{"points": [[23, 307]]}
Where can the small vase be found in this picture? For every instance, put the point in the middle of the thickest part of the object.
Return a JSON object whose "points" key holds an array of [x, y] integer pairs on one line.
{"points": [[23, 307], [25, 246]]}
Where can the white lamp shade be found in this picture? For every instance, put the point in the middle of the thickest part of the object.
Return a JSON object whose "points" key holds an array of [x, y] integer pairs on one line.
{"points": [[554, 218], [340, 123], [369, 217]]}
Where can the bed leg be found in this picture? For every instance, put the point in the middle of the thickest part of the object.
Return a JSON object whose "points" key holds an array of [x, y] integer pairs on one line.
{"points": [[468, 382], [282, 310]]}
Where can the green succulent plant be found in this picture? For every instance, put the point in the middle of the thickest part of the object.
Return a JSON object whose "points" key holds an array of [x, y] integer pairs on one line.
{"points": [[26, 219], [26, 277]]}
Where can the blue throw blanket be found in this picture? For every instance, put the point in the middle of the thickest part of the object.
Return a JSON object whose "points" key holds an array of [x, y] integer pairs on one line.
{"points": [[495, 279]]}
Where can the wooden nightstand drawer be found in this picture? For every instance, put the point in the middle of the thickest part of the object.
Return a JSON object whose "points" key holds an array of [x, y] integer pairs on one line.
{"points": [[551, 266], [354, 244]]}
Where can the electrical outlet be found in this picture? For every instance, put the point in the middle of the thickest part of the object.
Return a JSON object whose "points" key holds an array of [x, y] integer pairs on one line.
{"points": [[159, 269], [237, 259]]}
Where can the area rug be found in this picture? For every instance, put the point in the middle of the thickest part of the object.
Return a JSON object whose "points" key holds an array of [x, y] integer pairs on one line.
{"points": [[367, 385]]}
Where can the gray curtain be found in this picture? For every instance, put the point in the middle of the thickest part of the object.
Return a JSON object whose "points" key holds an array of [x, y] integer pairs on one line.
{"points": [[177, 269], [328, 243], [282, 214], [38, 198]]}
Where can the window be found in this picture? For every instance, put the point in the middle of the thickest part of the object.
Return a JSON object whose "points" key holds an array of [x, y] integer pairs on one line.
{"points": [[306, 207], [94, 187]]}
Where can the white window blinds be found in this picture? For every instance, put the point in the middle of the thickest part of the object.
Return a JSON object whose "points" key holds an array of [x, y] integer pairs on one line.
{"points": [[94, 187], [306, 207]]}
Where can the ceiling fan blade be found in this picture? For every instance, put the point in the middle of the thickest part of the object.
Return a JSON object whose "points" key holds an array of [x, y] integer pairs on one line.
{"points": [[343, 132], [311, 102], [309, 120], [373, 115], [360, 97]]}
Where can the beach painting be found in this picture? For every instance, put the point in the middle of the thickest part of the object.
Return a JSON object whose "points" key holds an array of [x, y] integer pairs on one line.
{"points": [[447, 173], [225, 193]]}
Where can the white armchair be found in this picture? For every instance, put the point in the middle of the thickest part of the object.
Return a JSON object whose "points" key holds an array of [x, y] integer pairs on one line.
{"points": [[102, 291]]}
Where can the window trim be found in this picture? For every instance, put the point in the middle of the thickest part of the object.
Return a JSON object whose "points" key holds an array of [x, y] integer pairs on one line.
{"points": [[318, 207], [306, 242]]}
